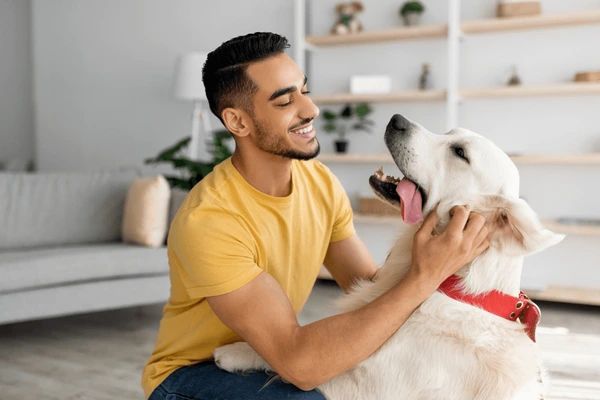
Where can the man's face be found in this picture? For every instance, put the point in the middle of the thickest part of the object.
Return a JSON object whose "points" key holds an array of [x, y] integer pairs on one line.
{"points": [[283, 112]]}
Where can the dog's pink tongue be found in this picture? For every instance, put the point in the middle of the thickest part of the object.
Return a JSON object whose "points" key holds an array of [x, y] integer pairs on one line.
{"points": [[412, 203]]}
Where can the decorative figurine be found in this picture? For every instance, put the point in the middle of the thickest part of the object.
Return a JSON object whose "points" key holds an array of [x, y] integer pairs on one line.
{"points": [[347, 21], [514, 79], [424, 78]]}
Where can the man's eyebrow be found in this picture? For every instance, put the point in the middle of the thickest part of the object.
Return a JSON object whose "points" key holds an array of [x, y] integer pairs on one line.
{"points": [[281, 92]]}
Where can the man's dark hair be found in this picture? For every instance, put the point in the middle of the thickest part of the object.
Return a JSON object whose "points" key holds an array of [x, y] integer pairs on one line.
{"points": [[224, 73]]}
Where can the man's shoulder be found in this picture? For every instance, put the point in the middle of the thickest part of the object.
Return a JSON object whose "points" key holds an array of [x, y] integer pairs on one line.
{"points": [[212, 188], [210, 195], [206, 217]]}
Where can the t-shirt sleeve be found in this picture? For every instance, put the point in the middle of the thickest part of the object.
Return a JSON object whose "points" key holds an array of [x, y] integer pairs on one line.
{"points": [[214, 253], [343, 226]]}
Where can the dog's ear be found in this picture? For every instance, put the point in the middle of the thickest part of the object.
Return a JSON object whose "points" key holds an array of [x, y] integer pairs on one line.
{"points": [[514, 227]]}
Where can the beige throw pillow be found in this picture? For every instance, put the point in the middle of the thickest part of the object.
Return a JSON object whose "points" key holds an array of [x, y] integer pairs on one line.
{"points": [[146, 212]]}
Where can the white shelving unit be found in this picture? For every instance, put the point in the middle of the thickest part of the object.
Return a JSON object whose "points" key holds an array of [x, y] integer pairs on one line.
{"points": [[453, 95], [453, 32]]}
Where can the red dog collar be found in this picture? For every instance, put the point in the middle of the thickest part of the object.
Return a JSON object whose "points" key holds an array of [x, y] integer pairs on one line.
{"points": [[498, 303]]}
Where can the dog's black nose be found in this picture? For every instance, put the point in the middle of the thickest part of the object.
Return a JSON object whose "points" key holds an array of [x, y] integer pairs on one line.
{"points": [[399, 123]]}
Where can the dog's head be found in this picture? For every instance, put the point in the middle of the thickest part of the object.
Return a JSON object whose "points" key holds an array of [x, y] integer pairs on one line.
{"points": [[460, 167]]}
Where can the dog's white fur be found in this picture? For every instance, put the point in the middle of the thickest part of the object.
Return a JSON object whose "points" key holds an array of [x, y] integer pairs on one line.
{"points": [[446, 349]]}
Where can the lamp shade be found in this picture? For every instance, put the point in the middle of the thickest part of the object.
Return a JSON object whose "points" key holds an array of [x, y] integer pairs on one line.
{"points": [[188, 77]]}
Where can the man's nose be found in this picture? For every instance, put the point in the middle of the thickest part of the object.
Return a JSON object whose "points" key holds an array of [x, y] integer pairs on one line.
{"points": [[309, 109]]}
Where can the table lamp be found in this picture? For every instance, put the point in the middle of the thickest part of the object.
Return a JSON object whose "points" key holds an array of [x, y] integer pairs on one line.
{"points": [[189, 86]]}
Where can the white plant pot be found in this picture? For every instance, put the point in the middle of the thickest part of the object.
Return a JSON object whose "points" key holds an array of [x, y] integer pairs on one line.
{"points": [[411, 19]]}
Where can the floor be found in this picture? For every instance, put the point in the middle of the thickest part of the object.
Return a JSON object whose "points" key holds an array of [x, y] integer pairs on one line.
{"points": [[99, 356]]}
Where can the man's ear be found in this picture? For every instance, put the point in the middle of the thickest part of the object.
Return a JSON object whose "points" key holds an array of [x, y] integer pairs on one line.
{"points": [[514, 227], [235, 121]]}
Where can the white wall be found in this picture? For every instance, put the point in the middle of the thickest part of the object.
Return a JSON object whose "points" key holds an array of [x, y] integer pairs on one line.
{"points": [[16, 104], [104, 71]]}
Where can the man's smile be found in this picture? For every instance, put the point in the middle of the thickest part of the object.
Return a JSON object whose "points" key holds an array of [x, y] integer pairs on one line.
{"points": [[306, 132]]}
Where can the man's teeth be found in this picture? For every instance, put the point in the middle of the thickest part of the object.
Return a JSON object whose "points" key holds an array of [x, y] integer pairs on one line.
{"points": [[303, 130]]}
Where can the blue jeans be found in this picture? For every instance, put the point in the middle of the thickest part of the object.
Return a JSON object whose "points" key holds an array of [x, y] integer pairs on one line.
{"points": [[206, 381]]}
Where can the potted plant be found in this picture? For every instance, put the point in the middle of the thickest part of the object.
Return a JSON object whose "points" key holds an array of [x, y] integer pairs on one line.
{"points": [[349, 118], [411, 12], [192, 171]]}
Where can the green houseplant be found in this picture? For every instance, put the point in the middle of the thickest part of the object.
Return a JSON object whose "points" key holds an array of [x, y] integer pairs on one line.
{"points": [[347, 119], [411, 12], [192, 171]]}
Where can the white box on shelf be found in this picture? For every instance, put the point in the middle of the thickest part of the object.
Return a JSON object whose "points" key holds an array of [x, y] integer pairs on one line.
{"points": [[369, 84]]}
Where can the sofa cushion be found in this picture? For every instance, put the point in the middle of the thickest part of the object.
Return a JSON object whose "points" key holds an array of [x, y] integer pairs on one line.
{"points": [[35, 268], [146, 212], [49, 209]]}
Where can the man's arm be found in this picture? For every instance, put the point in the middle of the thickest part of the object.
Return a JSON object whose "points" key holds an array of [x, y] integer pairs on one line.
{"points": [[348, 260], [309, 355]]}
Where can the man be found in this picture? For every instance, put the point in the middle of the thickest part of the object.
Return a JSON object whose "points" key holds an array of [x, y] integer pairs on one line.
{"points": [[246, 246]]}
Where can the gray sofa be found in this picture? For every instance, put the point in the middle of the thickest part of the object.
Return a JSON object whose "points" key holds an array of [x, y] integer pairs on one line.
{"points": [[61, 250]]}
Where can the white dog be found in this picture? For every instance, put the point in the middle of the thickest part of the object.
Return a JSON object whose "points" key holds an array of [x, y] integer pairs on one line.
{"points": [[449, 348]]}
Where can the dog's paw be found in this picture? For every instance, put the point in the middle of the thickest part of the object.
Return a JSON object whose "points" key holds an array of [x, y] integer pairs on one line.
{"points": [[239, 357]]}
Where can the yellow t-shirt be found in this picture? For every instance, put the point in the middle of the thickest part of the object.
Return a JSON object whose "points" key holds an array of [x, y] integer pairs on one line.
{"points": [[227, 232]]}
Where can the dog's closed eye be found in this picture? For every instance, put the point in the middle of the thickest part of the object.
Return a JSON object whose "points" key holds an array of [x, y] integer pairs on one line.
{"points": [[459, 151]]}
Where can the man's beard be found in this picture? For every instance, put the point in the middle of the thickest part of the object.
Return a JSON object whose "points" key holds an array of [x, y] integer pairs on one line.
{"points": [[276, 145]]}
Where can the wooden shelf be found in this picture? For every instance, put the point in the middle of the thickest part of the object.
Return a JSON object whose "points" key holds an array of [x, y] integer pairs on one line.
{"points": [[413, 32], [564, 89], [569, 229], [475, 26], [573, 229], [577, 295], [408, 95], [557, 159], [532, 22], [526, 159]]}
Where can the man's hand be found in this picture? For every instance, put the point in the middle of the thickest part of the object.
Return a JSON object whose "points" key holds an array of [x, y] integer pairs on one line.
{"points": [[436, 257]]}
